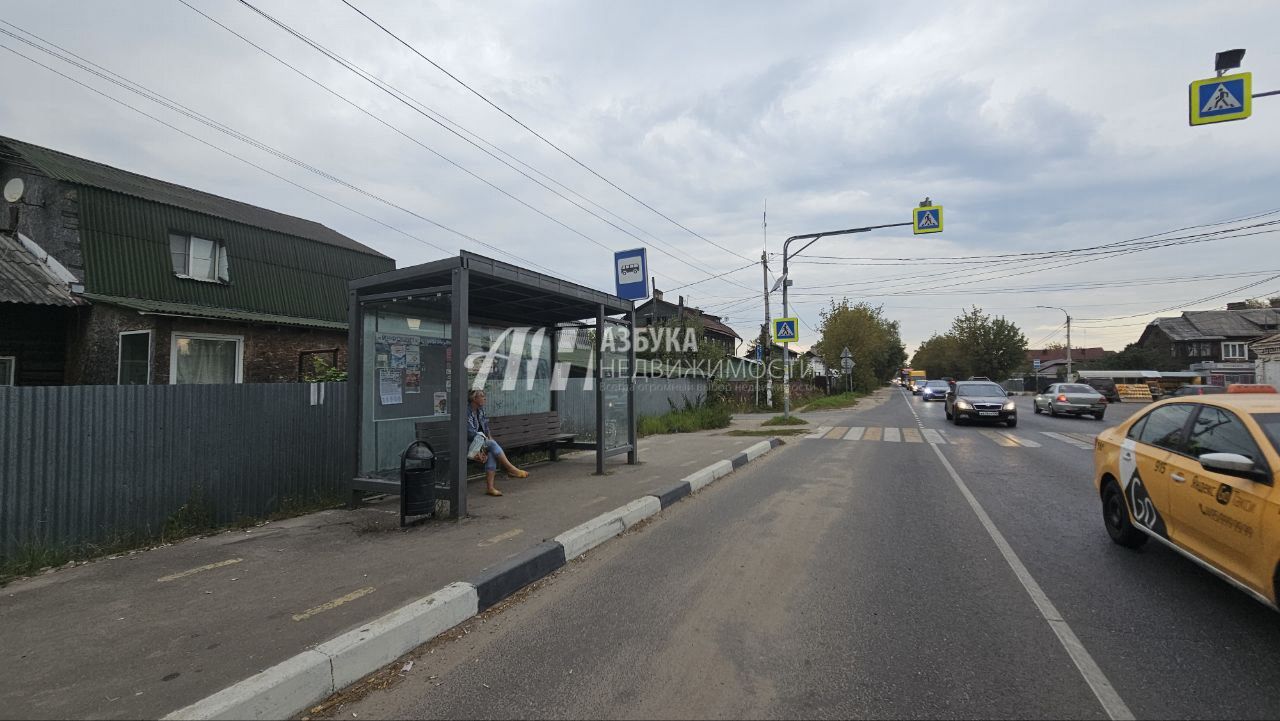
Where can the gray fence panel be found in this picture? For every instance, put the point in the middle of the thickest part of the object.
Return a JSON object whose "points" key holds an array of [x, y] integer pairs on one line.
{"points": [[92, 464], [654, 397]]}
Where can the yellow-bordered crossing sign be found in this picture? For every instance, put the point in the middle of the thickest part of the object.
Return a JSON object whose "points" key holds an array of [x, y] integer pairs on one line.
{"points": [[1218, 100], [786, 330], [926, 219]]}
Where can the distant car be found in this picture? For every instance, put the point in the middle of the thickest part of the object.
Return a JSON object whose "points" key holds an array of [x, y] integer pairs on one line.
{"points": [[1071, 399], [1199, 474], [935, 391], [1197, 391], [917, 387], [979, 378], [1105, 386], [980, 401]]}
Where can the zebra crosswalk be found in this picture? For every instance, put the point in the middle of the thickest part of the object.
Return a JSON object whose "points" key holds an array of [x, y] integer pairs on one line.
{"points": [[1002, 438]]}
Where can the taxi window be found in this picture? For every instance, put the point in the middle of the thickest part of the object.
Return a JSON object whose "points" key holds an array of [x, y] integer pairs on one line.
{"points": [[1270, 423], [1164, 425], [1135, 430], [1219, 431]]}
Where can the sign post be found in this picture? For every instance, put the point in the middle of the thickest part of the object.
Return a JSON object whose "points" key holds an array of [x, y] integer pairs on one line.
{"points": [[631, 273], [846, 364], [1223, 98]]}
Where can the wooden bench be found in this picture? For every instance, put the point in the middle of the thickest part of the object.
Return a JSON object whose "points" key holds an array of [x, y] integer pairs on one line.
{"points": [[530, 430]]}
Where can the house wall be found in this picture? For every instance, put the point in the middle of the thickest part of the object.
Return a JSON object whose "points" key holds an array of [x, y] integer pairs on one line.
{"points": [[270, 352], [36, 336], [49, 214]]}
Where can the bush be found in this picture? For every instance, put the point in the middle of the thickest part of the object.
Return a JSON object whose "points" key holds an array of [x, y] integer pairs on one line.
{"points": [[687, 420], [785, 421], [841, 400]]}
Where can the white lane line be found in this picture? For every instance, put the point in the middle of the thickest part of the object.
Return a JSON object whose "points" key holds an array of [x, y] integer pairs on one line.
{"points": [[1093, 675], [855, 433], [334, 603], [819, 432], [1020, 440], [193, 571], [893, 435], [933, 436], [1068, 440], [1086, 437]]}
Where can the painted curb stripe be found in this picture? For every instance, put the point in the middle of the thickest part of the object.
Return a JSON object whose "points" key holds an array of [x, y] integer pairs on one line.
{"points": [[672, 494], [739, 461], [500, 581]]}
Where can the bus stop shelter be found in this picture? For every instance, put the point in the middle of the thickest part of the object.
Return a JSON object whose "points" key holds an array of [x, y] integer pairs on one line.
{"points": [[421, 337]]}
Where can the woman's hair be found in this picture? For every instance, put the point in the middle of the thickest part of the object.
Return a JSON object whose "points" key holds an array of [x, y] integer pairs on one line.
{"points": [[471, 394]]}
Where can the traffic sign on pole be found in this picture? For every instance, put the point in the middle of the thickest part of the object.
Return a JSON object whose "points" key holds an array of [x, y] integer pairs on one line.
{"points": [[1218, 100], [786, 330], [631, 274], [926, 219]]}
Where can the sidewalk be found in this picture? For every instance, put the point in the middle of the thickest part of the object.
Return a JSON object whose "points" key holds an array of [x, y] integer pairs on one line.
{"points": [[141, 635]]}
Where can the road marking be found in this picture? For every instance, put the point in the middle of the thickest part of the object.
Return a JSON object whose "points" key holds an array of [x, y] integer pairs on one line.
{"points": [[999, 439], [837, 432], [893, 435], [1020, 441], [910, 435], [873, 434], [855, 433], [1086, 437], [1068, 440], [334, 603], [501, 537], [819, 432], [1106, 693], [193, 571], [933, 436]]}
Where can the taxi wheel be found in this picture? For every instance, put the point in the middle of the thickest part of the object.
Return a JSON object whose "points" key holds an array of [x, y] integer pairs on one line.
{"points": [[1116, 517]]}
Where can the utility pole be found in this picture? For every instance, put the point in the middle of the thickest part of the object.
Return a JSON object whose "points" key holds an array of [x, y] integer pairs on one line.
{"points": [[1068, 315], [766, 337]]}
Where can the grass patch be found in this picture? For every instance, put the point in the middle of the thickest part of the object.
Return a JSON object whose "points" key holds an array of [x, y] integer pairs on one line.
{"points": [[825, 403], [785, 421], [687, 420], [767, 434]]}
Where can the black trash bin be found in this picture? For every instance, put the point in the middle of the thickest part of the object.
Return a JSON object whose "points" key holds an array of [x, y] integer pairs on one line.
{"points": [[417, 481]]}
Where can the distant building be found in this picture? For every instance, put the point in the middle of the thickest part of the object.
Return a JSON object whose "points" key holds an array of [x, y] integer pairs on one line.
{"points": [[1267, 364], [108, 277], [656, 310], [1214, 342], [1078, 355]]}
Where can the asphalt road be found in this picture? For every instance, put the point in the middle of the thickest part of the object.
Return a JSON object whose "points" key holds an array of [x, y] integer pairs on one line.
{"points": [[841, 578]]}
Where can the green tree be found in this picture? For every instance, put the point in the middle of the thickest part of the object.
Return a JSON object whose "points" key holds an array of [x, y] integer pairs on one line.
{"points": [[942, 356], [1135, 357], [976, 345], [872, 340]]}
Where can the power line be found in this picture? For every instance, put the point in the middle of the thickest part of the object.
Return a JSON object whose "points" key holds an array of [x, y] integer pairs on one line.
{"points": [[538, 135]]}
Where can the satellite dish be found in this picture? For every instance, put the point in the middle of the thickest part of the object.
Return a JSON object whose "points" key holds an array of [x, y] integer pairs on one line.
{"points": [[14, 189]]}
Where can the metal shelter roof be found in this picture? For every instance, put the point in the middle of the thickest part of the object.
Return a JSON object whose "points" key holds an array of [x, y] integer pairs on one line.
{"points": [[498, 291]]}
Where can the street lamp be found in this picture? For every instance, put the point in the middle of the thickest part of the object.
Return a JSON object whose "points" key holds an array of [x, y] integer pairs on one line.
{"points": [[1068, 315], [787, 255]]}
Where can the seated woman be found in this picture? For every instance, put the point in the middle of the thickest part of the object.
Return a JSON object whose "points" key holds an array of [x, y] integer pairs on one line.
{"points": [[478, 422]]}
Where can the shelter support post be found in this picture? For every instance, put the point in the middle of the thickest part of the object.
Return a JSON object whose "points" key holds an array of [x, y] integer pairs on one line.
{"points": [[458, 393]]}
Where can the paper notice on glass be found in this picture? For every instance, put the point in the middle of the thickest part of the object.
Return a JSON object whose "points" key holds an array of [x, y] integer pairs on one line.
{"points": [[413, 357], [399, 355], [391, 386], [442, 404], [412, 381]]}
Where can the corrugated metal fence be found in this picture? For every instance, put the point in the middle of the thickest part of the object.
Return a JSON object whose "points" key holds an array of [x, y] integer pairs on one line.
{"points": [[93, 464]]}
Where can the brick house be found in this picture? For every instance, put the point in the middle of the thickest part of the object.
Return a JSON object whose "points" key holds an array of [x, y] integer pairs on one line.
{"points": [[111, 277]]}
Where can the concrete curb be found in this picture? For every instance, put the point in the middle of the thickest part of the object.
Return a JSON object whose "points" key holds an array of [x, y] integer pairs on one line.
{"points": [[291, 686]]}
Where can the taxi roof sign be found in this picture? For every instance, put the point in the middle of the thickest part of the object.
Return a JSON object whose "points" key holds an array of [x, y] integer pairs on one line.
{"points": [[786, 330], [926, 219], [1219, 100]]}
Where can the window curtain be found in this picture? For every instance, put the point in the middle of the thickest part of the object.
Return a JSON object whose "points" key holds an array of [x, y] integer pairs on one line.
{"points": [[205, 360]]}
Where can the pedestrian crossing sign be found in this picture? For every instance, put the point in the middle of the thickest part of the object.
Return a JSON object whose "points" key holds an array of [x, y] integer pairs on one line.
{"points": [[786, 330], [1217, 100], [926, 219]]}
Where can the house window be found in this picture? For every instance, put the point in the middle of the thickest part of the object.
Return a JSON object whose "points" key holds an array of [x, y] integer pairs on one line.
{"points": [[134, 367], [206, 358], [1235, 351], [198, 258], [7, 365]]}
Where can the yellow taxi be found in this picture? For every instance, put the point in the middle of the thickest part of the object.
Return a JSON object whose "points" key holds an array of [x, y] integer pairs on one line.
{"points": [[1198, 473]]}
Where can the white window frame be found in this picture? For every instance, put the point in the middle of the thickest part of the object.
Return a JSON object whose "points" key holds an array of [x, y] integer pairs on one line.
{"points": [[221, 264], [13, 369], [1241, 344], [173, 352], [151, 352]]}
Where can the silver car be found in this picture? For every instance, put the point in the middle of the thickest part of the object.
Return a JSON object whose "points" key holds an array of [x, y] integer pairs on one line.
{"points": [[1072, 399]]}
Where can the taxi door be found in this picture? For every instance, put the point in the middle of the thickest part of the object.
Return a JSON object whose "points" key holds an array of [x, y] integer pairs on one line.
{"points": [[1144, 464], [1218, 516]]}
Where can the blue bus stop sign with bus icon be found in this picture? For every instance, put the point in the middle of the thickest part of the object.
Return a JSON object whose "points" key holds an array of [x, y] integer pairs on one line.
{"points": [[1218, 100], [631, 273]]}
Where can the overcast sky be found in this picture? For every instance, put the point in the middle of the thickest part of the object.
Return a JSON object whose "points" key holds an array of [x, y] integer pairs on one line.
{"points": [[1038, 126]]}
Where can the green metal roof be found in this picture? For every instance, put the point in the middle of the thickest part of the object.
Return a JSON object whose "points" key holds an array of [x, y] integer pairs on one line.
{"points": [[155, 307]]}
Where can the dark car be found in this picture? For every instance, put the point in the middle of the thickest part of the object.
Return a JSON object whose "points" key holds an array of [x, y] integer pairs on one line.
{"points": [[980, 401], [1073, 399], [1198, 390], [1105, 386], [935, 391]]}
